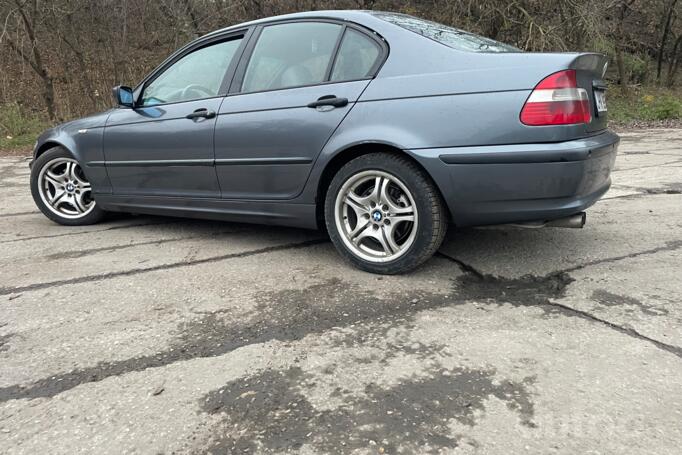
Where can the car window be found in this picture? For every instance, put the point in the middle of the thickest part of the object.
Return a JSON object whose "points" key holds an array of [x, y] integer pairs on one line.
{"points": [[356, 58], [449, 36], [291, 55], [195, 76]]}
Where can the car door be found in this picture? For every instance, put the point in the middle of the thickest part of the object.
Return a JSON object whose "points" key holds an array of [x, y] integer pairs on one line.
{"points": [[296, 83], [164, 145]]}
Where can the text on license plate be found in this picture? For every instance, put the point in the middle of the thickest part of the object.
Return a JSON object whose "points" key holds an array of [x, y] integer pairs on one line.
{"points": [[600, 98]]}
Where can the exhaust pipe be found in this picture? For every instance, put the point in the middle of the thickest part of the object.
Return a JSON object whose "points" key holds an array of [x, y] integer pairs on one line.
{"points": [[576, 221]]}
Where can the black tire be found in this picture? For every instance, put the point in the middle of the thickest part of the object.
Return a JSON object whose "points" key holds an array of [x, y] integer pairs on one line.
{"points": [[93, 216], [430, 209]]}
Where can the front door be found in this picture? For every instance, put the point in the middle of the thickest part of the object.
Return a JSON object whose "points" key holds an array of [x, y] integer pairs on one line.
{"points": [[164, 146], [293, 89]]}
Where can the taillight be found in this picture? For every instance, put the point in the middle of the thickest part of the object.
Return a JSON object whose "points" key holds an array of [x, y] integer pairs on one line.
{"points": [[557, 100]]}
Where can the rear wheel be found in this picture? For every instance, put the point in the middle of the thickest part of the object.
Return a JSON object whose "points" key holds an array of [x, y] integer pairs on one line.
{"points": [[61, 191], [383, 214]]}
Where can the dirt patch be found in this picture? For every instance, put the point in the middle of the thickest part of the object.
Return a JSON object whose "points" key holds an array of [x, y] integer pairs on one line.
{"points": [[625, 127], [20, 152]]}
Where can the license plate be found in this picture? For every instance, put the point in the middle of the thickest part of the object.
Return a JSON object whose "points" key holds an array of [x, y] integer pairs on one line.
{"points": [[600, 98]]}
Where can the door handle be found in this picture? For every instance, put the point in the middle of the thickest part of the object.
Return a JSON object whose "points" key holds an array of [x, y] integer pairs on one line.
{"points": [[201, 113], [329, 100]]}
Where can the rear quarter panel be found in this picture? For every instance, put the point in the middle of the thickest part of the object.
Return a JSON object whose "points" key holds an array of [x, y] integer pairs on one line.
{"points": [[428, 95]]}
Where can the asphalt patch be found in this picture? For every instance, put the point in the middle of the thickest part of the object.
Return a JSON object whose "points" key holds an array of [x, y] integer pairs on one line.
{"points": [[270, 413], [291, 315], [4, 341], [628, 304], [529, 290], [287, 315]]}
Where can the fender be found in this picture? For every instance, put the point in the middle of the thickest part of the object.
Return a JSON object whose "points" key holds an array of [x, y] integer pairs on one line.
{"points": [[83, 138]]}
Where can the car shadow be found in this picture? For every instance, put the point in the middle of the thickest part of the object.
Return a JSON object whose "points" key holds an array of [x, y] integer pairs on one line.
{"points": [[498, 250]]}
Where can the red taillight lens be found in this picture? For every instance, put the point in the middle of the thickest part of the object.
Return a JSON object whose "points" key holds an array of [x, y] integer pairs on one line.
{"points": [[562, 79], [557, 100]]}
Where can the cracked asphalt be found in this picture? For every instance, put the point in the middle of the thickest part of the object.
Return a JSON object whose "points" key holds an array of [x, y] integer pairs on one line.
{"points": [[161, 335]]}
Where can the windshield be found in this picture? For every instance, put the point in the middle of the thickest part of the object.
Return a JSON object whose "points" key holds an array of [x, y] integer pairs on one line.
{"points": [[451, 37]]}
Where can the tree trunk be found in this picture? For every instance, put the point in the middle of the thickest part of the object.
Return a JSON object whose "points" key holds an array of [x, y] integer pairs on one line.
{"points": [[620, 64], [675, 61], [83, 67], [664, 38], [194, 22], [36, 63], [48, 93]]}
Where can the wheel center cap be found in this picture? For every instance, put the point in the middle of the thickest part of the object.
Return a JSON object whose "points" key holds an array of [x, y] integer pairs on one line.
{"points": [[70, 187], [376, 216]]}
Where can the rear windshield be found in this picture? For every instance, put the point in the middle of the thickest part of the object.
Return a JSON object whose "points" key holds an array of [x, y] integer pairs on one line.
{"points": [[451, 37]]}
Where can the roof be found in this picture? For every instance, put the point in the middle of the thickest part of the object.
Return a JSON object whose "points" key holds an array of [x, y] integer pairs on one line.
{"points": [[346, 15]]}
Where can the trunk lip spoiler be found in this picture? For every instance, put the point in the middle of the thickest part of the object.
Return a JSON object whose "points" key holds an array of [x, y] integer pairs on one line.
{"points": [[599, 84], [590, 61]]}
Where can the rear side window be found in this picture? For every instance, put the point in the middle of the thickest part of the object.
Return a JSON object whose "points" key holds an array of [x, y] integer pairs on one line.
{"points": [[357, 57], [451, 37], [291, 55]]}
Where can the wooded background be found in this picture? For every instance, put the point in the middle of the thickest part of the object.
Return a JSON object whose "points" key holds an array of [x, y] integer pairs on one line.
{"points": [[60, 58]]}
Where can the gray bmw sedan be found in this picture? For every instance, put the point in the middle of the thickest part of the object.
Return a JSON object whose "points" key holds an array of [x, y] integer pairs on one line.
{"points": [[381, 127]]}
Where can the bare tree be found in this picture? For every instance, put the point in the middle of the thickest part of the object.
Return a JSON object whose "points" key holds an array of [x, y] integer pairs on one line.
{"points": [[622, 8], [29, 15], [676, 57], [668, 14]]}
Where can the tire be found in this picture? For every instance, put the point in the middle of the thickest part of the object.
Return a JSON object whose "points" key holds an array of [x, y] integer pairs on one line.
{"points": [[384, 214], [66, 185]]}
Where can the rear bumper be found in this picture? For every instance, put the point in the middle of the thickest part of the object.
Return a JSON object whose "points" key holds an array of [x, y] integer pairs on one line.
{"points": [[521, 182]]}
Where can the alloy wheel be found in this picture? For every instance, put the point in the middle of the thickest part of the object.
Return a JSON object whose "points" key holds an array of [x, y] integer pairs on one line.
{"points": [[64, 189], [376, 215]]}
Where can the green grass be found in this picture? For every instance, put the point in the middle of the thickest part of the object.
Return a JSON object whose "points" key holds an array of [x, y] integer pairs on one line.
{"points": [[644, 104], [18, 130]]}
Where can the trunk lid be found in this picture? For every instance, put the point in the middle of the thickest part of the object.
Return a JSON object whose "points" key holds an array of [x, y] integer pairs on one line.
{"points": [[482, 72], [590, 69]]}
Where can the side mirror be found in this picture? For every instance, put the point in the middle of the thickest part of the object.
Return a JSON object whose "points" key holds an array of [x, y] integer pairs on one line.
{"points": [[123, 96]]}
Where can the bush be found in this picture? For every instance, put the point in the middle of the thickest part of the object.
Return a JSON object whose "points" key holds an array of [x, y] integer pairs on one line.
{"points": [[662, 108], [636, 68], [17, 129], [644, 104]]}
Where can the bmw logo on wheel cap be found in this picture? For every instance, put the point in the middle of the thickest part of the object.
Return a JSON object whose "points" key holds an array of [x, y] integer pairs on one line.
{"points": [[376, 216], [70, 187]]}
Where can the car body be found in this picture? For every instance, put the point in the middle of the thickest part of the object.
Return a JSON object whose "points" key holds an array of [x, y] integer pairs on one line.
{"points": [[268, 153]]}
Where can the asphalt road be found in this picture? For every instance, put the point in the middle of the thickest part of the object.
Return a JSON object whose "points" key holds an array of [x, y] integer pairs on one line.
{"points": [[159, 335]]}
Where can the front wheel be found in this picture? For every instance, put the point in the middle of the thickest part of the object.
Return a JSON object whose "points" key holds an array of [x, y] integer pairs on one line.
{"points": [[61, 191], [384, 214]]}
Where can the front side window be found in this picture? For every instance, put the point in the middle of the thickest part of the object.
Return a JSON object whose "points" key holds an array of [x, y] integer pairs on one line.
{"points": [[357, 57], [291, 55], [448, 36], [195, 76]]}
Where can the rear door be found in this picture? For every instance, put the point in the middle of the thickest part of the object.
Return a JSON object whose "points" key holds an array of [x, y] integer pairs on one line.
{"points": [[164, 146], [297, 82]]}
